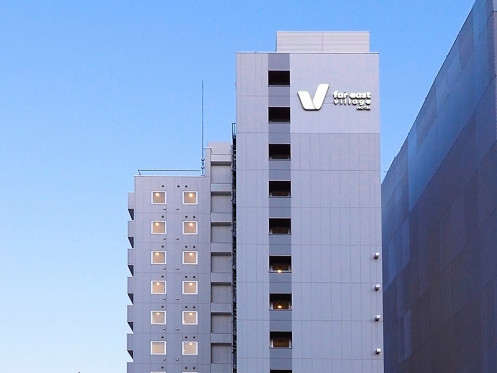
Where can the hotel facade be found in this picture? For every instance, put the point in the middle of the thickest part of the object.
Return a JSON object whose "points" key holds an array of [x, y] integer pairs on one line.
{"points": [[271, 260]]}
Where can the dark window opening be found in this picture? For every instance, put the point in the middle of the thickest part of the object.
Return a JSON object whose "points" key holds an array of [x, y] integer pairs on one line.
{"points": [[279, 226], [280, 371], [279, 115], [279, 151], [280, 263], [281, 78], [280, 301], [279, 189], [281, 339]]}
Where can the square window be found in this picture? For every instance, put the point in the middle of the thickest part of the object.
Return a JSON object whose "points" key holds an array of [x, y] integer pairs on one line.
{"points": [[158, 348], [278, 78], [280, 263], [189, 227], [158, 257], [279, 151], [189, 198], [158, 227], [280, 302], [190, 257], [190, 318], [280, 339], [190, 348], [280, 226], [158, 317], [158, 197], [280, 189], [158, 287], [190, 287], [279, 115]]}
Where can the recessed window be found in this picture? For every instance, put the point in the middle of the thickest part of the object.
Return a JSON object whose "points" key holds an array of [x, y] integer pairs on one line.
{"points": [[158, 257], [158, 317], [280, 339], [278, 78], [189, 198], [280, 301], [190, 348], [279, 115], [280, 264], [158, 287], [158, 227], [190, 318], [189, 227], [279, 226], [158, 347], [280, 371], [189, 287], [190, 257], [158, 197], [279, 189], [279, 151]]}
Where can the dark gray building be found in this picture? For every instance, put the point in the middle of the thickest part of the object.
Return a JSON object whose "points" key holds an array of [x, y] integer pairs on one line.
{"points": [[271, 261], [439, 203]]}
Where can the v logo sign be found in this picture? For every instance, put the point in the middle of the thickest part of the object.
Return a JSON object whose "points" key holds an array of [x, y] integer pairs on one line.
{"points": [[317, 101]]}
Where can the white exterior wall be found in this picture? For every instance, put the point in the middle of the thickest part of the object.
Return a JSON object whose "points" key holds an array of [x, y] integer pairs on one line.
{"points": [[334, 210]]}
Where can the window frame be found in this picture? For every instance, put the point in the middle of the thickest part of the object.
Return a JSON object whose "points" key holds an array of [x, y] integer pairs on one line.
{"points": [[190, 203], [183, 227], [183, 348], [152, 257], [272, 339], [152, 197], [270, 82], [158, 323], [276, 270], [152, 287], [158, 221], [196, 257], [183, 288], [151, 348], [190, 323]]}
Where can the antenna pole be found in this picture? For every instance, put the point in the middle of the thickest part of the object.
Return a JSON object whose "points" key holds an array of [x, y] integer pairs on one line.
{"points": [[202, 160]]}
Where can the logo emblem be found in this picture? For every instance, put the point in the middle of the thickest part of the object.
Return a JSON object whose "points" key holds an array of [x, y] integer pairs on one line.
{"points": [[316, 102]]}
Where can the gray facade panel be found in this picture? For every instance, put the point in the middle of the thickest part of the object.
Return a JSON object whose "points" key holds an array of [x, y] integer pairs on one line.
{"points": [[439, 204]]}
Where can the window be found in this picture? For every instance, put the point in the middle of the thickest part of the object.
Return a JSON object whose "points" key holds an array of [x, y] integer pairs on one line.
{"points": [[190, 318], [158, 287], [190, 257], [280, 301], [158, 197], [278, 78], [189, 198], [279, 115], [280, 339], [279, 151], [190, 348], [279, 226], [279, 189], [158, 317], [158, 348], [280, 264], [189, 227], [190, 287], [158, 257], [158, 227]]}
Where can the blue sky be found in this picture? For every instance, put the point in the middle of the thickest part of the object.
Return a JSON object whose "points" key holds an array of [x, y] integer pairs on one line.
{"points": [[91, 91]]}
